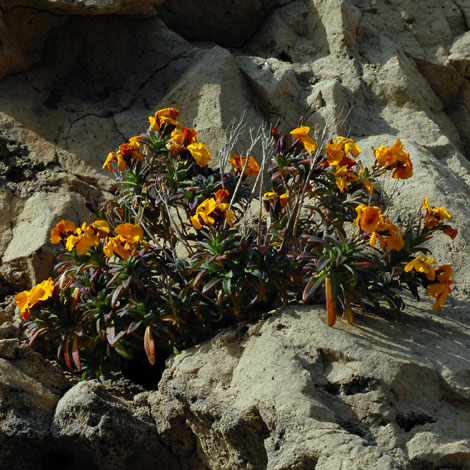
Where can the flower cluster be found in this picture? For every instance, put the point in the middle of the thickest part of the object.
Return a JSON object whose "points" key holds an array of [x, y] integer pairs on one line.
{"points": [[394, 158], [172, 258], [83, 238], [371, 220], [213, 210], [442, 274], [127, 154], [28, 299]]}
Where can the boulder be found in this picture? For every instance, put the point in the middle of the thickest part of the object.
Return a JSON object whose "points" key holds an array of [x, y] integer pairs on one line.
{"points": [[30, 388], [292, 392]]}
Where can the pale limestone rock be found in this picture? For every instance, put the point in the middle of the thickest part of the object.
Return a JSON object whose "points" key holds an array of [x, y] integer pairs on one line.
{"points": [[291, 393], [29, 250], [30, 388], [210, 83], [102, 428], [304, 394]]}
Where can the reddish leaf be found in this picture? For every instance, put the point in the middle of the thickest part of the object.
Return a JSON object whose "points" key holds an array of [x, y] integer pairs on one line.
{"points": [[66, 353], [330, 303], [149, 345], [76, 354]]}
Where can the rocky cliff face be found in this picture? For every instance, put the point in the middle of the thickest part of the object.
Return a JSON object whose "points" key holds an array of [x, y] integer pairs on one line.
{"points": [[80, 76]]}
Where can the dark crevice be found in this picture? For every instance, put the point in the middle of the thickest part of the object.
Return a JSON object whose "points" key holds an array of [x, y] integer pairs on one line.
{"points": [[410, 421]]}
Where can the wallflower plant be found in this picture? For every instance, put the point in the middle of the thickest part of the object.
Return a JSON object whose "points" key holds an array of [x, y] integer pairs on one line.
{"points": [[185, 248]]}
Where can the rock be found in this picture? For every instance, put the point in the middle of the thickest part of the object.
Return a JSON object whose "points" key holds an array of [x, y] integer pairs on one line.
{"points": [[80, 77], [211, 82], [100, 426], [232, 25], [30, 388], [293, 393], [29, 251], [27, 23]]}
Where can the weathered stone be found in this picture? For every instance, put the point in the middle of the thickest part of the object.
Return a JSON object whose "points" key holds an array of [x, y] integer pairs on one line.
{"points": [[101, 427], [303, 394], [232, 26], [289, 393], [211, 83], [30, 388]]}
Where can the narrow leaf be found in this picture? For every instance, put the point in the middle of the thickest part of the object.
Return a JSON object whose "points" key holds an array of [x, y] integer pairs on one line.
{"points": [[149, 345], [76, 354]]}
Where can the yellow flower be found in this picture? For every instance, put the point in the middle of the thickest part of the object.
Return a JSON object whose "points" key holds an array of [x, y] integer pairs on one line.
{"points": [[394, 241], [200, 153], [349, 146], [129, 232], [337, 150], [100, 228], [209, 211], [395, 158], [270, 195], [434, 215], [164, 117], [421, 265], [203, 212], [301, 133], [28, 299], [239, 161], [62, 230], [119, 246], [115, 157], [81, 241], [368, 218], [344, 177], [229, 217], [441, 289]]}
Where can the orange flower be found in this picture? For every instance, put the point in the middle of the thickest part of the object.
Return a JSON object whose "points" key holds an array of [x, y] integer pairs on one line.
{"points": [[451, 232], [119, 246], [434, 215], [395, 158], [132, 149], [82, 240], [100, 228], [28, 299], [368, 218], [181, 138], [301, 133], [221, 195], [440, 290], [164, 117], [129, 232], [366, 182], [200, 153], [62, 230], [421, 265], [344, 177], [209, 211], [337, 150], [239, 161], [115, 157]]}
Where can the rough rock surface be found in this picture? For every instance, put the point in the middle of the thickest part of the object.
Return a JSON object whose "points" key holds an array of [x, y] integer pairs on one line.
{"points": [[78, 77]]}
